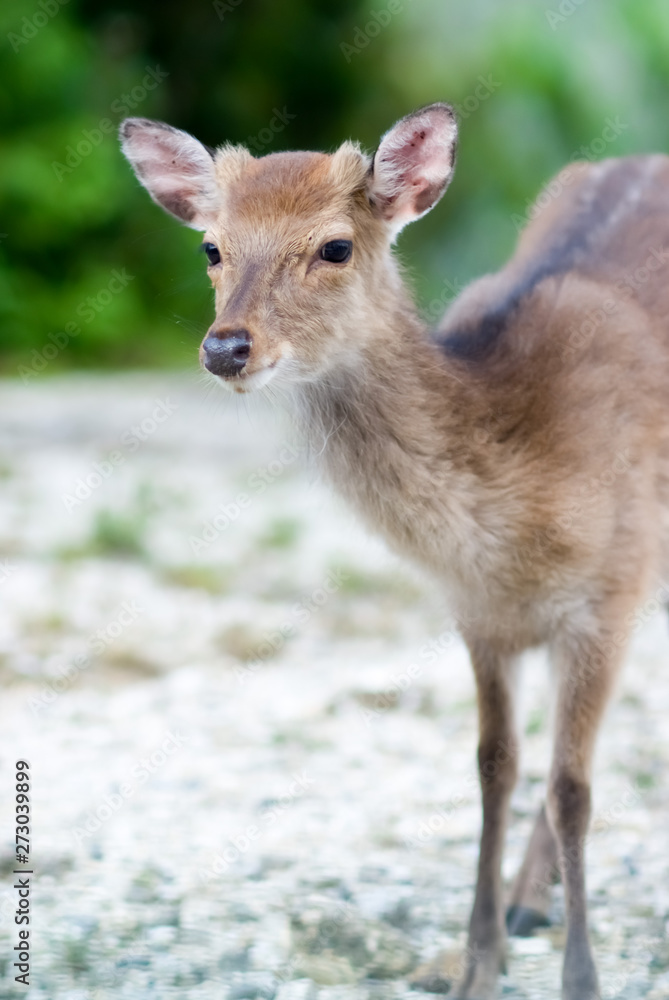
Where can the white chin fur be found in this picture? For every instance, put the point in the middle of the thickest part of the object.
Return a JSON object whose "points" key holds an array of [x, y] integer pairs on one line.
{"points": [[249, 383]]}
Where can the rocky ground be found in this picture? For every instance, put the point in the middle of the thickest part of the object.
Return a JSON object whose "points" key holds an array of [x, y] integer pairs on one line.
{"points": [[244, 756]]}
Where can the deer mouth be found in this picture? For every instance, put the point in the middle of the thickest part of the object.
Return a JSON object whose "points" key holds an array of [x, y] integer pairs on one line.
{"points": [[250, 381]]}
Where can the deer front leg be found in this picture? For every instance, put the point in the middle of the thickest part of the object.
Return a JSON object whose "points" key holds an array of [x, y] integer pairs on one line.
{"points": [[585, 673], [497, 760]]}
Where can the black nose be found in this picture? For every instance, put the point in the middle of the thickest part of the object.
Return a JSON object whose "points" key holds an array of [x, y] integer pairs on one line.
{"points": [[226, 351]]}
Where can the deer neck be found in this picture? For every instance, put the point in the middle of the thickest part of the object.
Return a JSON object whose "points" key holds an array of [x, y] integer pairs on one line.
{"points": [[392, 430]]}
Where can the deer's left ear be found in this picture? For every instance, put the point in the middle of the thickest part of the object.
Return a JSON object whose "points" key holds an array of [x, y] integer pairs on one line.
{"points": [[413, 165]]}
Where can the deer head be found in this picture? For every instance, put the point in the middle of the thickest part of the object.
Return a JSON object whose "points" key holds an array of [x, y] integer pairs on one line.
{"points": [[298, 244]]}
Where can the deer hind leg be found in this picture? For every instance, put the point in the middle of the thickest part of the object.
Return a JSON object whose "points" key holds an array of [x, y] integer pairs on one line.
{"points": [[531, 892], [497, 760], [585, 671]]}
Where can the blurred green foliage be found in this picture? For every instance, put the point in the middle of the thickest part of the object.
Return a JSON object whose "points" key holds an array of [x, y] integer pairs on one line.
{"points": [[534, 81]]}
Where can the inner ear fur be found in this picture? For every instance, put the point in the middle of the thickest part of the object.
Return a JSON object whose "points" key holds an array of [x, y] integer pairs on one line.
{"points": [[176, 169], [413, 165]]}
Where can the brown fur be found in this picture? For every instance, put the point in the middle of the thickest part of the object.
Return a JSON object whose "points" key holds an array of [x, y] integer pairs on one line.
{"points": [[520, 454]]}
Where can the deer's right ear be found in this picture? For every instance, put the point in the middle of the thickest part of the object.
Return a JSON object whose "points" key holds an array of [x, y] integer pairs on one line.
{"points": [[176, 169], [413, 165]]}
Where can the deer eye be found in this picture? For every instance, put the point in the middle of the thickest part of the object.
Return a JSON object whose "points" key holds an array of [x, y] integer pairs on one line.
{"points": [[336, 251], [213, 256]]}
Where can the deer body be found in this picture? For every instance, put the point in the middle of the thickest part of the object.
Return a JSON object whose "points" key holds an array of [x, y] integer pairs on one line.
{"points": [[520, 453], [496, 478]]}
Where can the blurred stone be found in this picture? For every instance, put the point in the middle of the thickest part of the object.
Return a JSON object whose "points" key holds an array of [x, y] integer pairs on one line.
{"points": [[253, 987], [299, 989]]}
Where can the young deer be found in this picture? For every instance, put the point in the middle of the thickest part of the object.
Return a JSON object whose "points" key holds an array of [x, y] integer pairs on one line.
{"points": [[520, 454]]}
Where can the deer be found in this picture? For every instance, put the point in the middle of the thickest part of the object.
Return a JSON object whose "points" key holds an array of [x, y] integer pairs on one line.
{"points": [[518, 452]]}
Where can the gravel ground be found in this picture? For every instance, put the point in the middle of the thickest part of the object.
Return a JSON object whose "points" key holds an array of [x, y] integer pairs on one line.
{"points": [[244, 756]]}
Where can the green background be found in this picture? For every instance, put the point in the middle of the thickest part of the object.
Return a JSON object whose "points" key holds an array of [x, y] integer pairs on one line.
{"points": [[555, 72]]}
